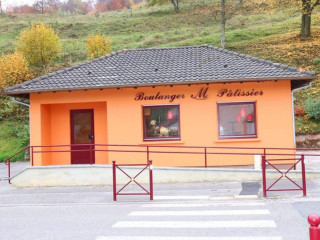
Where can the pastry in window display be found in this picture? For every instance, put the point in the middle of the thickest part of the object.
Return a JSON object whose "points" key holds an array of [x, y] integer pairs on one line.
{"points": [[153, 130]]}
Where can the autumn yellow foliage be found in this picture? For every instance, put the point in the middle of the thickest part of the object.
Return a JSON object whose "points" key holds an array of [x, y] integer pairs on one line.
{"points": [[13, 70], [98, 45], [39, 45]]}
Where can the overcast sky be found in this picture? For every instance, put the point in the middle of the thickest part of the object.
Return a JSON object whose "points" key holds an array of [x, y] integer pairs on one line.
{"points": [[6, 3]]}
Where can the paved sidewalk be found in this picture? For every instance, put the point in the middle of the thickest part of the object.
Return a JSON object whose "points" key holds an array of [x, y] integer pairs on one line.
{"points": [[103, 194]]}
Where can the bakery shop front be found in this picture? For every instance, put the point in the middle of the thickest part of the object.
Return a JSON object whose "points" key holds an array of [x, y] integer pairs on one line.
{"points": [[176, 97]]}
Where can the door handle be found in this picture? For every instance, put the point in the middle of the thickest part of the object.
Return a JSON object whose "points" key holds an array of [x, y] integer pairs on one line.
{"points": [[90, 137]]}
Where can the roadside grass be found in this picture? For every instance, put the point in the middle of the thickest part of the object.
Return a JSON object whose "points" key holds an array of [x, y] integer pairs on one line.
{"points": [[11, 140], [156, 26]]}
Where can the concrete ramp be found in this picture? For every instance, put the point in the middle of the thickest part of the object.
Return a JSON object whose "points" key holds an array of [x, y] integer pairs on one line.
{"points": [[84, 175]]}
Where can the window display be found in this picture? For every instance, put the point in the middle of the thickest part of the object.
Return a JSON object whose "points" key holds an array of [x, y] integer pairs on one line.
{"points": [[161, 122], [237, 120]]}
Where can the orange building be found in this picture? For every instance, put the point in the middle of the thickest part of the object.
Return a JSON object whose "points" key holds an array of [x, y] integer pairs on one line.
{"points": [[183, 96]]}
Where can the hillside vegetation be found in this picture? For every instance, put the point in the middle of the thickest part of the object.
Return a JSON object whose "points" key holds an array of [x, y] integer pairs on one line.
{"points": [[256, 29]]}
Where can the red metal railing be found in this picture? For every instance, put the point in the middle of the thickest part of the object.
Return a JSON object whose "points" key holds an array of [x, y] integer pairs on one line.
{"points": [[269, 155], [8, 162], [314, 230], [196, 150], [132, 179], [284, 174]]}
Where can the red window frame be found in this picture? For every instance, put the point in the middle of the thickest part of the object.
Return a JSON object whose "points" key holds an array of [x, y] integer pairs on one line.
{"points": [[244, 136], [174, 138]]}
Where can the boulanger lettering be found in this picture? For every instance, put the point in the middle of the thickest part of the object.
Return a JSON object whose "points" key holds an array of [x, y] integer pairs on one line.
{"points": [[158, 96]]}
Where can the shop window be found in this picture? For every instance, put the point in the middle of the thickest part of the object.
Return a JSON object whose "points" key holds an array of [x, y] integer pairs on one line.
{"points": [[237, 120], [161, 122]]}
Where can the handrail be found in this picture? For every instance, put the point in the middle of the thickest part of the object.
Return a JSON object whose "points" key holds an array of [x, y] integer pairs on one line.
{"points": [[8, 162], [274, 154]]}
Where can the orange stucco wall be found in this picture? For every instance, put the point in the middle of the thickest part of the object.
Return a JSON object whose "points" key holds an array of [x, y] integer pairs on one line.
{"points": [[118, 120]]}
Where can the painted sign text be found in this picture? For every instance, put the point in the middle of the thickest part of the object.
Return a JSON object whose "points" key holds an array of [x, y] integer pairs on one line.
{"points": [[201, 95], [158, 96], [238, 93]]}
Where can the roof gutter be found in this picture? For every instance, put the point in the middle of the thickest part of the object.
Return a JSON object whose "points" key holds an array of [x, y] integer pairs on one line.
{"points": [[293, 115], [9, 91], [21, 103]]}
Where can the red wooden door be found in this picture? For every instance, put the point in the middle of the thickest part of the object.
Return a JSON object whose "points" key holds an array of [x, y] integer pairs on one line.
{"points": [[82, 134]]}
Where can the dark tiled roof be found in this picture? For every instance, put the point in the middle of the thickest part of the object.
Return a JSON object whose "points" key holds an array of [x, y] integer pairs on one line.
{"points": [[161, 66]]}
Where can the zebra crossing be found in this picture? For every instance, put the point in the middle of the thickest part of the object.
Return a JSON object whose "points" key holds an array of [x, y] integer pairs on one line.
{"points": [[195, 220]]}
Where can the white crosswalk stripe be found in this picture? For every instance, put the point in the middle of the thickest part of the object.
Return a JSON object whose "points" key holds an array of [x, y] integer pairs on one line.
{"points": [[200, 213], [187, 238], [210, 204], [198, 220], [199, 197], [195, 224]]}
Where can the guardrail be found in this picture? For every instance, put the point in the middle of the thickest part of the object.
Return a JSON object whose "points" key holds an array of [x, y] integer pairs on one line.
{"points": [[284, 174], [132, 179], [148, 150], [268, 155], [8, 162]]}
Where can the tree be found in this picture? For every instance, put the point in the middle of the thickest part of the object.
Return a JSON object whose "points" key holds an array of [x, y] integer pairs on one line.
{"points": [[223, 23], [175, 4], [307, 8], [14, 69], [222, 14], [23, 9], [98, 45], [39, 45], [0, 7], [53, 6], [74, 6], [40, 6]]}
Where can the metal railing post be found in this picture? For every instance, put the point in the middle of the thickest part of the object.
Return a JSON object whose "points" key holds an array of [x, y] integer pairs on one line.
{"points": [[303, 171], [114, 181], [9, 171], [264, 180], [90, 154], [151, 179], [205, 158], [148, 154], [32, 160], [314, 230]]}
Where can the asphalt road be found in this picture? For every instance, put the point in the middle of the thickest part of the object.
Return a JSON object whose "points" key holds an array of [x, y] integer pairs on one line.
{"points": [[187, 211], [197, 211]]}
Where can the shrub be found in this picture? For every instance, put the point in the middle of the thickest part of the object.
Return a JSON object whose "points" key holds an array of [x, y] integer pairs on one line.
{"points": [[312, 108], [98, 45], [39, 45], [299, 111], [14, 69]]}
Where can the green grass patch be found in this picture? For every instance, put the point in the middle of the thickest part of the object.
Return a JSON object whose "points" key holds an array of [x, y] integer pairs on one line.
{"points": [[13, 137]]}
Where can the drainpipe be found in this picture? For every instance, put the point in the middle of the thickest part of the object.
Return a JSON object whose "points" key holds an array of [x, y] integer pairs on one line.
{"points": [[26, 105], [294, 120], [21, 103]]}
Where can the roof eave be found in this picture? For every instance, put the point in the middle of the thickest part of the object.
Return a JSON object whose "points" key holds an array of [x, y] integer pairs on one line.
{"points": [[306, 78]]}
